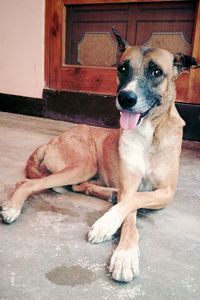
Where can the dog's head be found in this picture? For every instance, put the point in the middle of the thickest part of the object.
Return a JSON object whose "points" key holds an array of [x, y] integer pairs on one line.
{"points": [[146, 81]]}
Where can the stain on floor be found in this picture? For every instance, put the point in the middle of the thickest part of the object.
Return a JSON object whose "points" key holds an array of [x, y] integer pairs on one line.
{"points": [[42, 205], [71, 276]]}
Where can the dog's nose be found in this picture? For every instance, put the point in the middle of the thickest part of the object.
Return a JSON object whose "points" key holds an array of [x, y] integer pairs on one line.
{"points": [[127, 99]]}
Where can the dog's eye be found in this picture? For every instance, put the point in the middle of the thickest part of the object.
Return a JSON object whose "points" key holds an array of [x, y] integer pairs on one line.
{"points": [[122, 68], [157, 73]]}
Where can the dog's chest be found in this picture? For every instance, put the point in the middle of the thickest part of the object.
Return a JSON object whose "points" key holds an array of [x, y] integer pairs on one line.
{"points": [[135, 150]]}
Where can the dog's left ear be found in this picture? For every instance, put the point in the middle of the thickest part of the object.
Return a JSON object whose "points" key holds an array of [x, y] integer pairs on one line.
{"points": [[184, 62], [122, 44]]}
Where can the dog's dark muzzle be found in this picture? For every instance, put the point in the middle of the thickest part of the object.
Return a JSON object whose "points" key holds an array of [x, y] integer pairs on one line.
{"points": [[127, 99]]}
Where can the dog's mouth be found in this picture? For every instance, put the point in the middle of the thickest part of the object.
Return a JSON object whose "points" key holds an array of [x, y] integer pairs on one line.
{"points": [[129, 119]]}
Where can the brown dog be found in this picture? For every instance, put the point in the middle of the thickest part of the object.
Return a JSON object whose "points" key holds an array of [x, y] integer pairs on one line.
{"points": [[141, 160]]}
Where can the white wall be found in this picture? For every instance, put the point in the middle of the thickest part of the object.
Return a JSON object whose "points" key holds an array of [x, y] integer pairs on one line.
{"points": [[22, 47]]}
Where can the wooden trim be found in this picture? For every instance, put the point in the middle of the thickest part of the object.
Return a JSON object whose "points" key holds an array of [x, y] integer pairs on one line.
{"points": [[89, 79], [196, 36], [47, 43], [64, 34], [78, 2], [55, 60], [194, 78]]}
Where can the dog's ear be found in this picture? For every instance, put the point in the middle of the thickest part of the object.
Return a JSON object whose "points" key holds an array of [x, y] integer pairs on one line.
{"points": [[184, 62], [122, 44]]}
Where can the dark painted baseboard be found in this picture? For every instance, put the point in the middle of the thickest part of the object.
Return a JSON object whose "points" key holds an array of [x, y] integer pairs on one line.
{"points": [[22, 105], [191, 115], [89, 109]]}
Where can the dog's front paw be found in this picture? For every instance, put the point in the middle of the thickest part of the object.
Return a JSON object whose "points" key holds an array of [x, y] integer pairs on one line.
{"points": [[124, 264], [9, 213], [104, 228]]}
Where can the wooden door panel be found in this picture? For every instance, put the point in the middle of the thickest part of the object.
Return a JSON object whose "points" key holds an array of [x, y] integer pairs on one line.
{"points": [[96, 19], [79, 32], [135, 21], [164, 17], [146, 28]]}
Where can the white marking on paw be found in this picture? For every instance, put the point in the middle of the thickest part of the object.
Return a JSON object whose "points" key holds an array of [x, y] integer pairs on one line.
{"points": [[9, 214], [104, 228], [124, 264]]}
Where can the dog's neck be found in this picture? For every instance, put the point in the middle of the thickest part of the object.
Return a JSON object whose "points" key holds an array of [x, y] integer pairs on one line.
{"points": [[167, 115], [142, 133]]}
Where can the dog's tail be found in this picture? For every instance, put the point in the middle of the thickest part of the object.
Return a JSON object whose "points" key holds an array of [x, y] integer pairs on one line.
{"points": [[35, 167]]}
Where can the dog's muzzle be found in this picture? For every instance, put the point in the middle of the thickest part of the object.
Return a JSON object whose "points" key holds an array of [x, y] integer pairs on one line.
{"points": [[127, 99], [133, 108]]}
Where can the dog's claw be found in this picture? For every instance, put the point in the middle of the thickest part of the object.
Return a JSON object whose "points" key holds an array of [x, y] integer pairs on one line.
{"points": [[95, 237]]}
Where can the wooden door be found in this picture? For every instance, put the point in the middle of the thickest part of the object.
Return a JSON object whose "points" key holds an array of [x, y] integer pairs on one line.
{"points": [[81, 52]]}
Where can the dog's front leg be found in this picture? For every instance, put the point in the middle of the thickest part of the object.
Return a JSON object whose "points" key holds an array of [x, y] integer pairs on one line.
{"points": [[125, 260], [104, 228], [124, 264]]}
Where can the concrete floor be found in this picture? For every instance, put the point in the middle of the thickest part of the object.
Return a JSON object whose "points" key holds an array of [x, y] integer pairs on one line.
{"points": [[45, 254]]}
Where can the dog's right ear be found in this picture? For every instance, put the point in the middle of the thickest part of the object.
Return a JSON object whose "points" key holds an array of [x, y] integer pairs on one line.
{"points": [[184, 62], [122, 44]]}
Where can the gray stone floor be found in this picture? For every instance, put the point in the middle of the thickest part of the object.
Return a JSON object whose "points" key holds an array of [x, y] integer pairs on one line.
{"points": [[45, 254]]}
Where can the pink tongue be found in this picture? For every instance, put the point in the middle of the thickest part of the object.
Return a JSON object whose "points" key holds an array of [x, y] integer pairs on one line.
{"points": [[129, 120]]}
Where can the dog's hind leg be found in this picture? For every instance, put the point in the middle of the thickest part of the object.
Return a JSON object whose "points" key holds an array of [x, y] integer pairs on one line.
{"points": [[68, 176], [93, 188]]}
